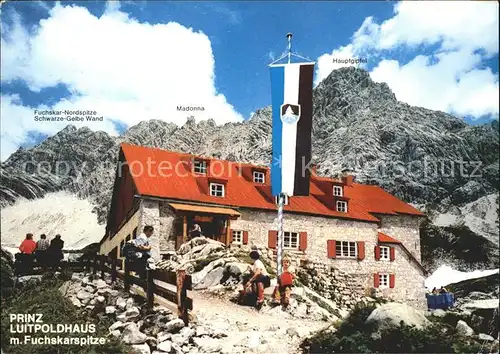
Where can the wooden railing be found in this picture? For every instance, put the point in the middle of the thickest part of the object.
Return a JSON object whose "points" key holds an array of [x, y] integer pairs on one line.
{"points": [[180, 280]]}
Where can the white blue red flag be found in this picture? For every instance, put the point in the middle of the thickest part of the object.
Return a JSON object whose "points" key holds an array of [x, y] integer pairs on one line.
{"points": [[291, 89]]}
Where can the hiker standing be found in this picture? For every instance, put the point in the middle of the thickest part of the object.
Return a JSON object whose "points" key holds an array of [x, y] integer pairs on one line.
{"points": [[259, 279], [55, 253], [195, 231], [143, 255], [283, 289], [42, 246]]}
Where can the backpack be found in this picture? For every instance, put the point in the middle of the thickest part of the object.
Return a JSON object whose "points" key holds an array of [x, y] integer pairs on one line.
{"points": [[129, 250]]}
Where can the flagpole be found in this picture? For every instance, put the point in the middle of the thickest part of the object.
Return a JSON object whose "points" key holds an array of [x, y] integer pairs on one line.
{"points": [[289, 37], [279, 255]]}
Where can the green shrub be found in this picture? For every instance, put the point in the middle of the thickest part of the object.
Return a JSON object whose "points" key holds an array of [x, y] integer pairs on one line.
{"points": [[354, 335], [43, 297]]}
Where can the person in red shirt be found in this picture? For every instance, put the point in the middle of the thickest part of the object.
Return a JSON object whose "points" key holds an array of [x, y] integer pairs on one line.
{"points": [[27, 255], [28, 246]]}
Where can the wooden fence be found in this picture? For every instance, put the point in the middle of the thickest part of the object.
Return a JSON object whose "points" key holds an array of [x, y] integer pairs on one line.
{"points": [[180, 280]]}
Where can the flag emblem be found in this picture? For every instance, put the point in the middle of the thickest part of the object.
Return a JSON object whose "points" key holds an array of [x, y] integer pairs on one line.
{"points": [[291, 86], [290, 114]]}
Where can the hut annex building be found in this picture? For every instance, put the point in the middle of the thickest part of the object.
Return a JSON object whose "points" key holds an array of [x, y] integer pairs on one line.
{"points": [[359, 229]]}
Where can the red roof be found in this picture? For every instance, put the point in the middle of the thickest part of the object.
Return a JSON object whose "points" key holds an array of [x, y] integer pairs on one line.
{"points": [[170, 177], [386, 238]]}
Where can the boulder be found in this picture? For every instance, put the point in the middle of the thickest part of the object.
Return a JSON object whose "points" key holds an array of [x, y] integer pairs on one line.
{"points": [[110, 310], [141, 349], [464, 329], [391, 314], [129, 315], [210, 279], [165, 346], [486, 337], [174, 325], [207, 344], [438, 313], [75, 302], [236, 268], [132, 335], [83, 295], [121, 303], [116, 325], [99, 284]]}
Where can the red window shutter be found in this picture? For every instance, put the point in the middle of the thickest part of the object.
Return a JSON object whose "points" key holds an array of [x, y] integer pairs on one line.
{"points": [[245, 237], [331, 247], [392, 253], [230, 237], [377, 253], [361, 250], [272, 239], [376, 280], [302, 241], [392, 280]]}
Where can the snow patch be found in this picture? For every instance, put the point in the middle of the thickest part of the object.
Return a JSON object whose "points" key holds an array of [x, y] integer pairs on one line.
{"points": [[446, 275], [57, 213]]}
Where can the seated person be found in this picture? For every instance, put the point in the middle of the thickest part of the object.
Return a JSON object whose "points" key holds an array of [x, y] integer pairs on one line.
{"points": [[283, 289], [258, 281]]}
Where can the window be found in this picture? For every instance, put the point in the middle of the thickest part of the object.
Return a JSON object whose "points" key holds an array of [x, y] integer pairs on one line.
{"points": [[237, 236], [128, 238], [290, 240], [120, 250], [259, 177], [276, 200], [342, 206], [383, 280], [200, 166], [384, 253], [134, 233], [346, 249], [337, 191], [216, 189]]}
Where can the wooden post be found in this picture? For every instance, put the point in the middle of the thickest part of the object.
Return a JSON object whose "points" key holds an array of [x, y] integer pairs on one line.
{"points": [[102, 256], [228, 232], [113, 268], [94, 270], [181, 296], [184, 229], [126, 277], [150, 291]]}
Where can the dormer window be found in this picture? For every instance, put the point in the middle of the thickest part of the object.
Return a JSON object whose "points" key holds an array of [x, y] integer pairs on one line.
{"points": [[276, 200], [342, 206], [259, 177], [337, 191], [217, 190], [200, 166]]}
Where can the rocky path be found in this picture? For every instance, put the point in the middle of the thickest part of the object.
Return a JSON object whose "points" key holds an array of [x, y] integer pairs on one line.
{"points": [[246, 330]]}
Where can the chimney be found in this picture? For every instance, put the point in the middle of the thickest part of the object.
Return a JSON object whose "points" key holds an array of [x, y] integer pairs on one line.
{"points": [[347, 177]]}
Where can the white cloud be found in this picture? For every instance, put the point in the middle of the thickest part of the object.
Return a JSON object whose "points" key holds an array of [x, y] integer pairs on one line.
{"points": [[125, 70], [452, 79]]}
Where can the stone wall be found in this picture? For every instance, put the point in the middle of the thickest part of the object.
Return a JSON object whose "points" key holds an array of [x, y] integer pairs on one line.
{"points": [[344, 289], [405, 229], [150, 212], [167, 232], [409, 280]]}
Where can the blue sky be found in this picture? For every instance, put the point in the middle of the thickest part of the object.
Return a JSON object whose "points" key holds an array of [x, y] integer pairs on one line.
{"points": [[124, 55]]}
